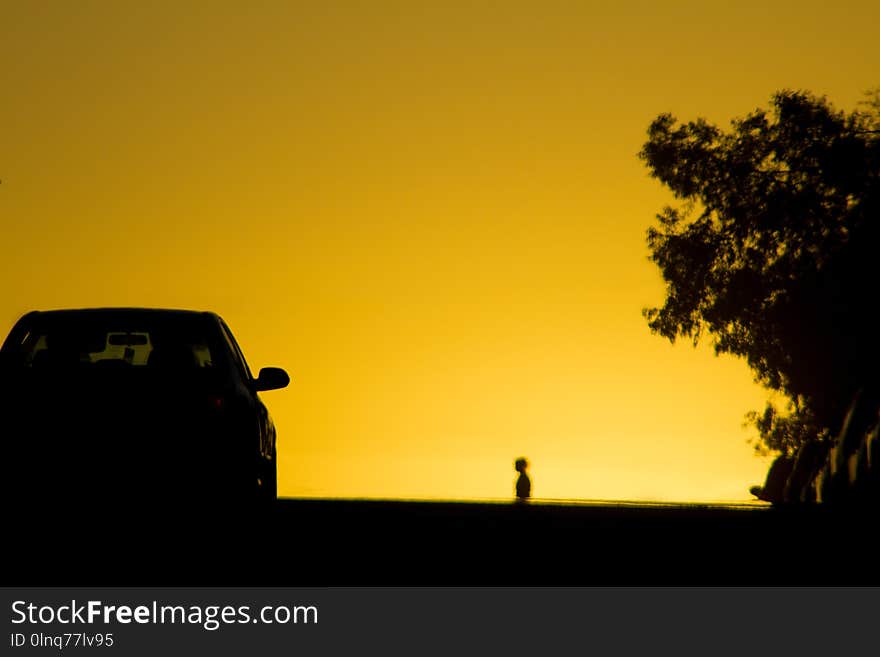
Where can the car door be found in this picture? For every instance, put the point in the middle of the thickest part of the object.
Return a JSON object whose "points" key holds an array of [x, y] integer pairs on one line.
{"points": [[266, 427]]}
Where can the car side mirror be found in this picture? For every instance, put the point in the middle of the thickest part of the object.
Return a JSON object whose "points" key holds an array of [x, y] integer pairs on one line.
{"points": [[271, 378]]}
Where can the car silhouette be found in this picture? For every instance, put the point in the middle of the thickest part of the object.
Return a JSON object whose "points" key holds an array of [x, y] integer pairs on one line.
{"points": [[117, 409]]}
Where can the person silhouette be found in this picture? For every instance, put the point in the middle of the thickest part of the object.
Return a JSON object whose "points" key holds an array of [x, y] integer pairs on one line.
{"points": [[523, 483]]}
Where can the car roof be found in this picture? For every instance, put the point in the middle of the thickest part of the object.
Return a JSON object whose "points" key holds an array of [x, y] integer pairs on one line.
{"points": [[118, 312]]}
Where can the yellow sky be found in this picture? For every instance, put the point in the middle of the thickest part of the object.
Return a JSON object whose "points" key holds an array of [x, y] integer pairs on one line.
{"points": [[431, 214]]}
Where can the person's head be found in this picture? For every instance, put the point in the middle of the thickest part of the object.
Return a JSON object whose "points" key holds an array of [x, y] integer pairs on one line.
{"points": [[521, 464]]}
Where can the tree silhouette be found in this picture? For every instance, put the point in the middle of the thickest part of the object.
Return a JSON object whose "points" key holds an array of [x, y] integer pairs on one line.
{"points": [[773, 251]]}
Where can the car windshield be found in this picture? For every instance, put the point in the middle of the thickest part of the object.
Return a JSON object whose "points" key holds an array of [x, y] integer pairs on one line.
{"points": [[117, 341]]}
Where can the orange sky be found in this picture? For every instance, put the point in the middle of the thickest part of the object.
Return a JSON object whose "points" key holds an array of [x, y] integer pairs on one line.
{"points": [[431, 214]]}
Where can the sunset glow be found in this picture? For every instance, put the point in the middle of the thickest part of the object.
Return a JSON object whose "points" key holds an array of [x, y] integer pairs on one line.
{"points": [[430, 214]]}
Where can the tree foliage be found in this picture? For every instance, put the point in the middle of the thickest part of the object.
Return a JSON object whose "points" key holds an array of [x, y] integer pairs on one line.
{"points": [[784, 432], [774, 248]]}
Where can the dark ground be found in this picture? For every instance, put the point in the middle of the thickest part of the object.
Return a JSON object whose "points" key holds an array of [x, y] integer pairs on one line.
{"points": [[387, 543]]}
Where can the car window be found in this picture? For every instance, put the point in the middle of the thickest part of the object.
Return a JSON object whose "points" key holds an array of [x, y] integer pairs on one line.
{"points": [[98, 343], [240, 361]]}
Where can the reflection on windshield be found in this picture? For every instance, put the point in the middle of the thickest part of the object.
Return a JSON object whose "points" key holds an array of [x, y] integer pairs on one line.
{"points": [[58, 347]]}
